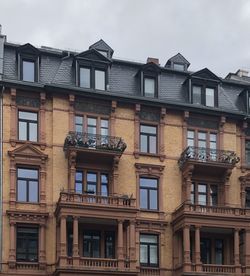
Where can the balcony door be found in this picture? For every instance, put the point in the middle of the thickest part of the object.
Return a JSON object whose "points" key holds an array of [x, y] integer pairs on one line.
{"points": [[204, 194], [212, 251]]}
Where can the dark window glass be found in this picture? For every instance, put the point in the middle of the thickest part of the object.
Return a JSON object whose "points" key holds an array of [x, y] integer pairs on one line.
{"points": [[70, 239], [178, 66], [91, 183], [149, 87], [100, 79], [148, 139], [219, 251], [202, 194], [109, 245], [28, 70], [79, 182], [149, 250], [149, 193], [210, 97], [247, 150], [196, 94], [27, 126], [213, 195], [104, 185], [91, 244], [79, 123], [205, 251], [27, 185], [27, 244], [248, 198], [85, 77]]}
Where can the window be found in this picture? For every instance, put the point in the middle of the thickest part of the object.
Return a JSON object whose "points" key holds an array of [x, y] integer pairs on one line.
{"points": [[247, 151], [27, 126], [204, 95], [148, 193], [27, 244], [149, 250], [148, 139], [179, 66], [247, 198], [91, 182], [28, 70], [104, 53], [90, 77], [204, 194], [95, 125], [219, 251], [205, 245], [27, 185], [149, 87], [203, 139], [91, 244], [84, 77], [109, 245], [212, 251]]}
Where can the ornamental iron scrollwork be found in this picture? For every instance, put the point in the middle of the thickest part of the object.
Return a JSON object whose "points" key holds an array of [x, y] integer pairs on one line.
{"points": [[94, 141], [208, 155]]}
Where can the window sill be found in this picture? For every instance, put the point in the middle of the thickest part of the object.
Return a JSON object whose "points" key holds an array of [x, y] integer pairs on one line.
{"points": [[22, 142], [145, 154]]}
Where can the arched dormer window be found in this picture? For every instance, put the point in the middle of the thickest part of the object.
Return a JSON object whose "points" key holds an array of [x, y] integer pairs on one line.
{"points": [[28, 63]]}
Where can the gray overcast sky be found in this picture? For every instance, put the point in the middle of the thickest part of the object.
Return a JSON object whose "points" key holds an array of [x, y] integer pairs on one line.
{"points": [[209, 33]]}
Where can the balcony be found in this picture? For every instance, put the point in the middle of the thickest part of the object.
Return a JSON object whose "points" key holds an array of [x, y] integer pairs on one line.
{"points": [[94, 144], [110, 206], [204, 157]]}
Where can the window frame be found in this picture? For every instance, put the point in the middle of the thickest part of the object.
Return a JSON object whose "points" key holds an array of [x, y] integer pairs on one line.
{"points": [[156, 126], [148, 264], [27, 247], [203, 87], [92, 233], [29, 58], [195, 191], [27, 185], [148, 189], [79, 76], [208, 132], [178, 63], [150, 77], [30, 110]]}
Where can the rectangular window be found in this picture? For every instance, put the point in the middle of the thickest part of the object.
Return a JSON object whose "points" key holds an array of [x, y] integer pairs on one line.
{"points": [[210, 96], [149, 250], [84, 77], [27, 126], [149, 87], [248, 198], [91, 244], [79, 123], [219, 251], [27, 185], [91, 183], [205, 251], [28, 70], [247, 151], [100, 79], [110, 245], [179, 67], [148, 139], [27, 244], [148, 193], [197, 94], [91, 125], [204, 194]]}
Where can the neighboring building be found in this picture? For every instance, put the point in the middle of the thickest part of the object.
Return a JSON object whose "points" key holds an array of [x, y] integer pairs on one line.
{"points": [[113, 167]]}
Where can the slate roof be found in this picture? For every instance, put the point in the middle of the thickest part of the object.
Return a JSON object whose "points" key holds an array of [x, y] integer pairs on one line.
{"points": [[57, 68]]}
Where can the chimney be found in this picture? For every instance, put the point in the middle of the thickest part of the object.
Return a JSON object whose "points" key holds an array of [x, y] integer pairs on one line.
{"points": [[153, 60], [242, 73]]}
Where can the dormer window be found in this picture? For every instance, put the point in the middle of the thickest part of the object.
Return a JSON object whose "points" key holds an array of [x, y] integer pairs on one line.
{"points": [[203, 95], [179, 66], [28, 70], [210, 96], [105, 53], [100, 79], [84, 77], [149, 87]]}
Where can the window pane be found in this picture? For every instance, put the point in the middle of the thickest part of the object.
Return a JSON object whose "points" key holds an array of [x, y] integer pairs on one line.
{"points": [[28, 71], [213, 195], [202, 135], [104, 190], [96, 246], [32, 116], [148, 129], [91, 177], [190, 134], [152, 144], [104, 178], [148, 238], [143, 254], [143, 199], [22, 131], [248, 152], [85, 77], [27, 173], [202, 199], [99, 80], [78, 187], [153, 258], [205, 251], [149, 87], [79, 176], [209, 97], [153, 197], [79, 123], [104, 123], [179, 67], [143, 143], [202, 188], [110, 245], [91, 188], [148, 182], [33, 191], [21, 190], [33, 132], [196, 94], [92, 125]]}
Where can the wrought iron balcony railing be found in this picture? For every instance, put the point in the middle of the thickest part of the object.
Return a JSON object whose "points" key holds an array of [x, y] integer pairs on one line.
{"points": [[208, 155], [94, 141]]}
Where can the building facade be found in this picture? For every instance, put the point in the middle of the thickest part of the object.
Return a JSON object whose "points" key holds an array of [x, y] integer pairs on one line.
{"points": [[112, 167]]}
